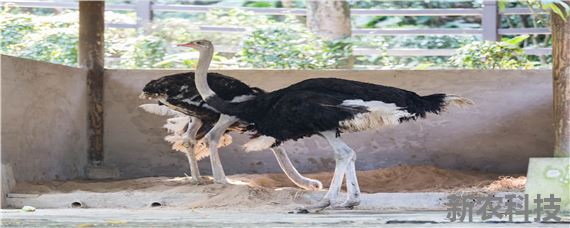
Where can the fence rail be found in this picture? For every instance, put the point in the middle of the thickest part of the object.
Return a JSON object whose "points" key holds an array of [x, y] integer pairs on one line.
{"points": [[488, 12]]}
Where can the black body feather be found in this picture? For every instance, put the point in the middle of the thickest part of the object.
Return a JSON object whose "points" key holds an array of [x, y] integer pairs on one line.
{"points": [[315, 105], [179, 90]]}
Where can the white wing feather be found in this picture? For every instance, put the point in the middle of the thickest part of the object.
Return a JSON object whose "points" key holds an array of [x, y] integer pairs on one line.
{"points": [[177, 127], [160, 110]]}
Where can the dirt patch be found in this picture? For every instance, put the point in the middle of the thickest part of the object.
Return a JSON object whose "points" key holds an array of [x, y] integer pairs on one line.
{"points": [[403, 178], [275, 191], [236, 195], [140, 184]]}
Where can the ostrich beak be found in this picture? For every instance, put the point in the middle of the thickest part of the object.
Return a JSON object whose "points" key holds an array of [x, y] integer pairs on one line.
{"points": [[186, 45]]}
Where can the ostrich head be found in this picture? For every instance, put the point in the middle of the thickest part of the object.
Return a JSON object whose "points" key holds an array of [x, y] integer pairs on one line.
{"points": [[167, 87], [200, 45]]}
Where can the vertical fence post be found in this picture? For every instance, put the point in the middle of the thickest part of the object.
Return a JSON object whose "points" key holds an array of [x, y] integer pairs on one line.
{"points": [[490, 20], [144, 14], [561, 83], [91, 58]]}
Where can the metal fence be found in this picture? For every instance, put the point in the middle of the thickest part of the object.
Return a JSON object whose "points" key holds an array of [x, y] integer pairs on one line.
{"points": [[489, 13]]}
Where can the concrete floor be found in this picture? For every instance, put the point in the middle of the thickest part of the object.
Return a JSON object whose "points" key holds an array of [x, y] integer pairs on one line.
{"points": [[170, 217]]}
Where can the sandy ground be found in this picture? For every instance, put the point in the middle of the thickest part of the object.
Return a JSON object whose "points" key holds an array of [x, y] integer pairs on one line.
{"points": [[406, 178], [403, 178], [274, 192]]}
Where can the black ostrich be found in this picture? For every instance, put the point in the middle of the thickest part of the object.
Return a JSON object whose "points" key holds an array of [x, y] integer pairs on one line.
{"points": [[178, 97], [325, 107]]}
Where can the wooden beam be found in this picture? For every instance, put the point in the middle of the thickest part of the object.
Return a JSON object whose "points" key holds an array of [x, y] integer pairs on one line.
{"points": [[561, 84], [91, 58]]}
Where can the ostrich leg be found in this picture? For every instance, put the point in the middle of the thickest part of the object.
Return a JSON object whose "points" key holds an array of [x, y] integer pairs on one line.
{"points": [[352, 188], [213, 137], [343, 156], [212, 140], [189, 141], [292, 173]]}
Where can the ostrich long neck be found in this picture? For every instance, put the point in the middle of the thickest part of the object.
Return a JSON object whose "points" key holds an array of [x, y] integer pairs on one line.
{"points": [[201, 79], [204, 89]]}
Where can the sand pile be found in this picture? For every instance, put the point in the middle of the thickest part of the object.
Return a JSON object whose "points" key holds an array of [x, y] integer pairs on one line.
{"points": [[402, 178], [238, 195], [405, 178], [273, 191]]}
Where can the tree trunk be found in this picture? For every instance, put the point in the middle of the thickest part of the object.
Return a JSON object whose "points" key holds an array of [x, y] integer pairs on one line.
{"points": [[561, 84], [330, 20], [91, 58]]}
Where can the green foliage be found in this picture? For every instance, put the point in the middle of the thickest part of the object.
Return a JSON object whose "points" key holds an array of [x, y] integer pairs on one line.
{"points": [[276, 42], [259, 4], [291, 47], [417, 4], [415, 21], [188, 60], [505, 54], [429, 42], [235, 17], [409, 42], [144, 52], [59, 45], [559, 7], [337, 53], [183, 30], [13, 28], [52, 39], [379, 44]]}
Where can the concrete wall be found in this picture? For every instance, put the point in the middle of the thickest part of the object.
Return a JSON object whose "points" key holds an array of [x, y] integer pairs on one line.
{"points": [[511, 122], [43, 119]]}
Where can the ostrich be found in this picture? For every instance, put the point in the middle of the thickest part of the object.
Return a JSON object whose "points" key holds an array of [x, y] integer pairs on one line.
{"points": [[325, 107], [192, 119], [183, 134]]}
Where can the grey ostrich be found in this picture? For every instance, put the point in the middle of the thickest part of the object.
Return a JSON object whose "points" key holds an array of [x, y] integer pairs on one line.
{"points": [[191, 119]]}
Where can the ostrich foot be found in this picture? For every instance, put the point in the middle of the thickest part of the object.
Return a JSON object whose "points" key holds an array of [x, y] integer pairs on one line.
{"points": [[349, 204], [321, 205], [311, 185], [198, 181], [222, 180]]}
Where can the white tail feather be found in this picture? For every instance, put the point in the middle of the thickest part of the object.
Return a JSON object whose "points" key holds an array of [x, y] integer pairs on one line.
{"points": [[200, 149], [160, 110], [461, 102], [259, 143], [225, 140], [380, 114], [174, 138], [177, 124]]}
